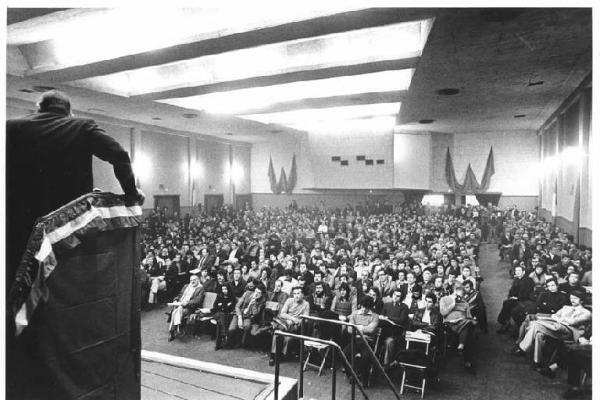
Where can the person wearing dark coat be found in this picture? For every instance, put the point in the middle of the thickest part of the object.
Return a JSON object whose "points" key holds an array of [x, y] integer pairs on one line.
{"points": [[222, 313], [429, 318], [49, 163], [551, 300], [521, 291], [475, 300], [394, 321]]}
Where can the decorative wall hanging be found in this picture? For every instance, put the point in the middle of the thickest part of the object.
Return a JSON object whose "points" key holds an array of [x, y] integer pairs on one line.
{"points": [[470, 184], [285, 184]]}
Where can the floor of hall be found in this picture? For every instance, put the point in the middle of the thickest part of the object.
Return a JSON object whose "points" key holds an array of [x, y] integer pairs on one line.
{"points": [[500, 375]]}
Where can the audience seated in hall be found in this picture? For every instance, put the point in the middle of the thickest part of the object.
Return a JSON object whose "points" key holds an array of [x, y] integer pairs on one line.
{"points": [[427, 256]]}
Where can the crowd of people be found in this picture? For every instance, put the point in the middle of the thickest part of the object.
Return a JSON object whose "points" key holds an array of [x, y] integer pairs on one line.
{"points": [[413, 269], [548, 307]]}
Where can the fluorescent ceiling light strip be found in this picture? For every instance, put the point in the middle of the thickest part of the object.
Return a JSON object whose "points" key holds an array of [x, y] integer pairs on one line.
{"points": [[323, 114], [238, 101], [390, 42], [161, 25]]}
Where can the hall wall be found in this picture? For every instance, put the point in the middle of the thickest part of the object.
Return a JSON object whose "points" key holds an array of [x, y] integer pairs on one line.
{"points": [[566, 189]]}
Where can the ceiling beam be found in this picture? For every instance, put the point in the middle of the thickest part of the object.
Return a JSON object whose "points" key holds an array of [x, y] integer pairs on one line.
{"points": [[297, 30], [15, 15], [278, 79], [333, 101]]}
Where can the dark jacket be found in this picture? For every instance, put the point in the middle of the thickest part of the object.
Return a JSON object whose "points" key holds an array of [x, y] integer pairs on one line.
{"points": [[49, 163], [224, 304], [397, 313], [435, 324], [522, 288], [549, 303]]}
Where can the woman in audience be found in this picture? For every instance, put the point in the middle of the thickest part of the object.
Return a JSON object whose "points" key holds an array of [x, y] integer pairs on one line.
{"points": [[223, 311]]}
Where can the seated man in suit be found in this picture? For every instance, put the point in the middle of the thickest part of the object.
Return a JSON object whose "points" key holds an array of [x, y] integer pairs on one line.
{"points": [[278, 296], [385, 285], [190, 298], [394, 321]]}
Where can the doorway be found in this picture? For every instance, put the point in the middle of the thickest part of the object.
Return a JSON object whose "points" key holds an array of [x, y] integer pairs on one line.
{"points": [[212, 201], [241, 200], [170, 202]]}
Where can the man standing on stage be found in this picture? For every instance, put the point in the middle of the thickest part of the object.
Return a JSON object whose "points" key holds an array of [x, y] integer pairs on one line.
{"points": [[49, 163]]}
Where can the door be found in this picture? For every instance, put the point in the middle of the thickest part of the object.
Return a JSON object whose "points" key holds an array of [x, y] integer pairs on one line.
{"points": [[212, 201], [170, 202], [243, 200]]}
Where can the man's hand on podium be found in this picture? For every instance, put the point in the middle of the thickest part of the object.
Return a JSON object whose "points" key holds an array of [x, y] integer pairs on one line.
{"points": [[135, 198]]}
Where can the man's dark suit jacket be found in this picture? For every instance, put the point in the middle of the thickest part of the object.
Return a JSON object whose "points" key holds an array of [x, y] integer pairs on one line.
{"points": [[397, 313], [49, 163]]}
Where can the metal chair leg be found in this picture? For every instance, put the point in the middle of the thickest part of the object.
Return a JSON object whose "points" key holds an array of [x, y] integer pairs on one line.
{"points": [[403, 380]]}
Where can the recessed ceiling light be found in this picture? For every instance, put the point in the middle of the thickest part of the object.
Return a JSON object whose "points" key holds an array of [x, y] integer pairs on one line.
{"points": [[189, 115], [26, 90], [535, 83], [447, 91], [426, 121], [42, 89], [157, 118], [520, 116]]}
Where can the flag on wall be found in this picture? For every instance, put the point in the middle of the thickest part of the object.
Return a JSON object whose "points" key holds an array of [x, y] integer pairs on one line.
{"points": [[489, 171], [272, 179], [470, 184], [291, 181]]}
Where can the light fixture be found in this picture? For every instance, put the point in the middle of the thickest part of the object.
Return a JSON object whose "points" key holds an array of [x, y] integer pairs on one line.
{"points": [[141, 166], [314, 115], [233, 172], [238, 101], [383, 43]]}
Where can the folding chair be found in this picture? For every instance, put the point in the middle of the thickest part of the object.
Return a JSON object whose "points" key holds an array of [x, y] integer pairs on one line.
{"points": [[377, 349], [416, 337], [316, 347]]}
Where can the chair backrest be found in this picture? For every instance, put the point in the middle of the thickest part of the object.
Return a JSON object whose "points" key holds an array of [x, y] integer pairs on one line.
{"points": [[272, 305], [209, 300]]}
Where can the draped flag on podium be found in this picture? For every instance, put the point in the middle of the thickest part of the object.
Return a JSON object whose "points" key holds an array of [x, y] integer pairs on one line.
{"points": [[76, 300]]}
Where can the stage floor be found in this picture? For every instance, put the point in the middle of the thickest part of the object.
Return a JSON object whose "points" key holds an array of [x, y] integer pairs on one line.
{"points": [[167, 377], [166, 382]]}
